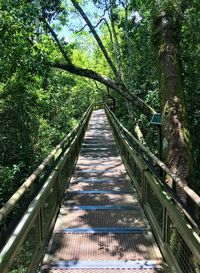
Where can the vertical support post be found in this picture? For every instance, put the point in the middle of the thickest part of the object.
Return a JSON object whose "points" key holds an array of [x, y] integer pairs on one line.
{"points": [[165, 223], [160, 147], [159, 141]]}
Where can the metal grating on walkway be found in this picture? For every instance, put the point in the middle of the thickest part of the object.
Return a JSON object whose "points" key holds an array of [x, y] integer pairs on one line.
{"points": [[55, 270], [101, 226], [99, 218]]}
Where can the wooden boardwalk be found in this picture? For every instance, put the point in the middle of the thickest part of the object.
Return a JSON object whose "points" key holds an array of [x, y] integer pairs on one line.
{"points": [[101, 226]]}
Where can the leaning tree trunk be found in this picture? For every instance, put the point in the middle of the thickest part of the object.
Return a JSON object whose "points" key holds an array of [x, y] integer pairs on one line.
{"points": [[176, 137]]}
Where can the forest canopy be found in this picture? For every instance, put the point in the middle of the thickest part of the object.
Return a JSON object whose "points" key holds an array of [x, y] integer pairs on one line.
{"points": [[57, 57]]}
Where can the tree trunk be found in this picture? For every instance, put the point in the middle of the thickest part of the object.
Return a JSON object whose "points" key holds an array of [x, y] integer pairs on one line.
{"points": [[116, 46], [176, 137]]}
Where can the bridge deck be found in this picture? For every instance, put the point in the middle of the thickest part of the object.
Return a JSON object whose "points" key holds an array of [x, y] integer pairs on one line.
{"points": [[101, 226]]}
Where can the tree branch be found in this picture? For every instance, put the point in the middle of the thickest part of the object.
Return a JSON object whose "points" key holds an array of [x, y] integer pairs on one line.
{"points": [[119, 88], [100, 21], [96, 36], [77, 31], [58, 42]]}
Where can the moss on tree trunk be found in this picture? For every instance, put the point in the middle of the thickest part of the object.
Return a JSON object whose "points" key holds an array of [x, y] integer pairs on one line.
{"points": [[177, 151]]}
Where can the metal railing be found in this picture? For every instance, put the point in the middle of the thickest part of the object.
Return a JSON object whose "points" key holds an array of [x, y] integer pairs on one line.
{"points": [[174, 228], [25, 247]]}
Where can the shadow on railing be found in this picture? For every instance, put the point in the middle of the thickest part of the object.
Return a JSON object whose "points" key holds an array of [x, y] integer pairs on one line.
{"points": [[175, 225], [45, 188]]}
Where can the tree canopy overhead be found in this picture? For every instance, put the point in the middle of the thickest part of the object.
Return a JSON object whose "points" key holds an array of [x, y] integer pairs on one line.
{"points": [[143, 55]]}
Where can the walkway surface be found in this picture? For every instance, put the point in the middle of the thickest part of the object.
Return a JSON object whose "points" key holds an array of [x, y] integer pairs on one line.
{"points": [[101, 226]]}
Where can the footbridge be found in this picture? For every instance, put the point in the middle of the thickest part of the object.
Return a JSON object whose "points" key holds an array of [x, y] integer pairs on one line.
{"points": [[99, 203]]}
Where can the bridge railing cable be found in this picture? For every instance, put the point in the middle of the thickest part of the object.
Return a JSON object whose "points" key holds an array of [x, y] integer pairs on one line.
{"points": [[25, 246], [175, 226]]}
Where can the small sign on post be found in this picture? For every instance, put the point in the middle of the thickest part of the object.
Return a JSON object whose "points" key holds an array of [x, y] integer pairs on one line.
{"points": [[156, 119]]}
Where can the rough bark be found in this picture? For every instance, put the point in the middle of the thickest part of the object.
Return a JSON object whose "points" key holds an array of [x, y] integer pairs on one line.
{"points": [[176, 137]]}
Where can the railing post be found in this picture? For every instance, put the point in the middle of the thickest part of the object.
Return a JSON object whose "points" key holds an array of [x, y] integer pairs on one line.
{"points": [[144, 187], [165, 217]]}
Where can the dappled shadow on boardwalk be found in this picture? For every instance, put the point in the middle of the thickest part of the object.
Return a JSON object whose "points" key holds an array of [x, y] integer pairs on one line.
{"points": [[101, 200], [102, 247], [88, 219], [100, 168]]}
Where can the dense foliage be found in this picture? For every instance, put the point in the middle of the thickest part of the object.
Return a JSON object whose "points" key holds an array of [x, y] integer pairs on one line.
{"points": [[38, 104], [40, 101]]}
